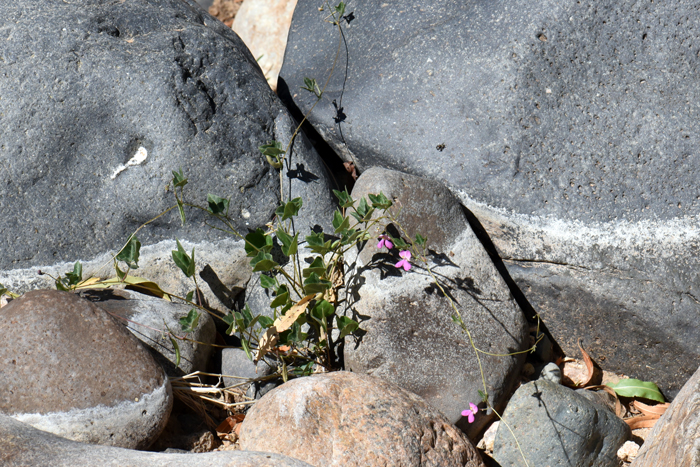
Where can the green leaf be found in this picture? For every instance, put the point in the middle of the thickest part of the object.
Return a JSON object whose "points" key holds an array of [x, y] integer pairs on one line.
{"points": [[315, 243], [484, 396], [120, 274], [289, 209], [76, 276], [420, 239], [321, 311], [290, 244], [282, 297], [307, 369], [380, 201], [130, 253], [340, 10], [265, 321], [311, 86], [340, 223], [246, 348], [267, 282], [217, 205], [263, 262], [189, 296], [247, 316], [317, 266], [346, 326], [256, 242], [230, 319], [399, 243], [179, 179], [181, 210], [314, 285], [189, 323], [295, 334], [183, 260], [3, 290], [456, 319], [177, 351], [273, 153], [344, 198], [637, 388]]}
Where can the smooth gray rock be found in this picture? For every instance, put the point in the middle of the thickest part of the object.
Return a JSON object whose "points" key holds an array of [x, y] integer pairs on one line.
{"points": [[24, 446], [149, 318], [556, 426], [551, 372], [553, 123], [235, 362], [409, 336], [69, 368], [79, 101]]}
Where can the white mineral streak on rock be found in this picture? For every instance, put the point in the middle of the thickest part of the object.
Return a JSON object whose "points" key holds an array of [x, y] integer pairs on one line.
{"points": [[137, 159]]}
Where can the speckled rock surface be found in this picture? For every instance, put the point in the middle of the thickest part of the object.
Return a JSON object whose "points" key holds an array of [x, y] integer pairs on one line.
{"points": [[552, 122], [24, 446], [555, 426], [136, 91], [674, 438], [411, 339], [69, 368], [346, 419], [150, 317]]}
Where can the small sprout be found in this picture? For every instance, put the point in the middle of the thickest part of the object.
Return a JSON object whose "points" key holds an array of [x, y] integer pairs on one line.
{"points": [[405, 255]]}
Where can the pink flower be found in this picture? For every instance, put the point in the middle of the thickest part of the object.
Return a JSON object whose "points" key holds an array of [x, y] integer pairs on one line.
{"points": [[473, 410], [405, 255], [385, 241]]}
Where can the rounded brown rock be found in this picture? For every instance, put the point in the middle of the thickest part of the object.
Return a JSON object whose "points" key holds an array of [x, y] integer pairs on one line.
{"points": [[69, 368]]}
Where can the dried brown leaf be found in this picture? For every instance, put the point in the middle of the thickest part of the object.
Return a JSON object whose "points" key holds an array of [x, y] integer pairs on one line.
{"points": [[269, 339], [646, 409], [645, 421]]}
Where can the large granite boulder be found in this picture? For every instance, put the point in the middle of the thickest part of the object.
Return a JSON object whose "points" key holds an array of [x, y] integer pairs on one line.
{"points": [[568, 129], [69, 368], [24, 446], [352, 420], [97, 111], [408, 334]]}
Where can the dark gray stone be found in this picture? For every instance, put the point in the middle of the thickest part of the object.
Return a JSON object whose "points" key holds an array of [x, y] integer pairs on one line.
{"points": [[409, 336], [556, 426], [24, 446], [69, 368], [77, 102], [235, 362], [149, 318], [553, 122]]}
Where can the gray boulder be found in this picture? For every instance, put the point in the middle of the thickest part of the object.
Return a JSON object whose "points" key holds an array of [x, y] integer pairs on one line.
{"points": [[96, 114], [149, 318], [409, 337], [565, 127], [554, 425], [69, 368], [24, 446]]}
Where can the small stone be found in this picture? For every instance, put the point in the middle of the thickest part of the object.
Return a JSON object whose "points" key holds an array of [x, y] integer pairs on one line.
{"points": [[551, 372], [628, 451], [486, 442]]}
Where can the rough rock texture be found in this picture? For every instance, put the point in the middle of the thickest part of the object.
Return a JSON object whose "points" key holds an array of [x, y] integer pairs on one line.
{"points": [[553, 122], [149, 317], [411, 339], [263, 25], [69, 368], [346, 419], [96, 114], [556, 426], [674, 438], [24, 446]]}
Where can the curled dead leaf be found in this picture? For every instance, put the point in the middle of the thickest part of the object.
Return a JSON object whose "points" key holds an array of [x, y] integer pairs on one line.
{"points": [[269, 339]]}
